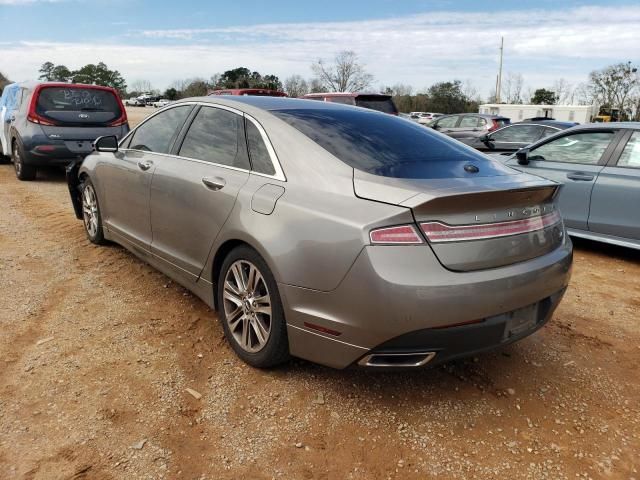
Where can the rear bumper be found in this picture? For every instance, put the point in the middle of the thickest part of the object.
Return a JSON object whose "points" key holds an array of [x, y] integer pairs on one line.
{"points": [[58, 155], [400, 299]]}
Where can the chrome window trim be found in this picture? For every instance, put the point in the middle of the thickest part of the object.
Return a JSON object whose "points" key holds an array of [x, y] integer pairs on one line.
{"points": [[279, 175], [275, 161]]}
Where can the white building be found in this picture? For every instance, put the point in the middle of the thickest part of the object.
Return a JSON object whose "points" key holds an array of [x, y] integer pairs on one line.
{"points": [[565, 113]]}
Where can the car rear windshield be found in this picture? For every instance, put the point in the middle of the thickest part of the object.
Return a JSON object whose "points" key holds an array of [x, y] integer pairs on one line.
{"points": [[60, 103], [375, 102], [386, 145]]}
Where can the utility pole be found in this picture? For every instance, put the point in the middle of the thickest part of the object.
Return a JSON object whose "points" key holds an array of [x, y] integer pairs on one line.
{"points": [[499, 82]]}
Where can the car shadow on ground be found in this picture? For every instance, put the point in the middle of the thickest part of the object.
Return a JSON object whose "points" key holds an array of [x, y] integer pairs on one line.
{"points": [[51, 175], [489, 373], [45, 174], [613, 251]]}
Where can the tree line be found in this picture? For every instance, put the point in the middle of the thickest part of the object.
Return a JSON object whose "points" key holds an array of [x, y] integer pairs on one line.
{"points": [[615, 88]]}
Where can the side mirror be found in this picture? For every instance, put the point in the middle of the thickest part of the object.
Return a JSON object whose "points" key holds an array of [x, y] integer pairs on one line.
{"points": [[435, 126], [523, 156], [107, 143], [486, 138]]}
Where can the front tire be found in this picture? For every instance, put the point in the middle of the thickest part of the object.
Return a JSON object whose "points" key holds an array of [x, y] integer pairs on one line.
{"points": [[250, 309], [91, 216], [24, 172]]}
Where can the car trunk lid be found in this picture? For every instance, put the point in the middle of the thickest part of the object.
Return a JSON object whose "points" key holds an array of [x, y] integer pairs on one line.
{"points": [[479, 223]]}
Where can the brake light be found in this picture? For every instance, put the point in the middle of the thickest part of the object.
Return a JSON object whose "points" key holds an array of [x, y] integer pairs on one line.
{"points": [[438, 232], [402, 234], [121, 120], [33, 117]]}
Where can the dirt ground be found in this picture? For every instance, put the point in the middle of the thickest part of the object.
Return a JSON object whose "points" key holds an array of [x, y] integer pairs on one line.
{"points": [[97, 350]]}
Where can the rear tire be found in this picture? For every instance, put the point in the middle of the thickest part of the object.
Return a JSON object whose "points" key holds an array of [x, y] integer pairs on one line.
{"points": [[24, 172], [91, 217], [250, 309]]}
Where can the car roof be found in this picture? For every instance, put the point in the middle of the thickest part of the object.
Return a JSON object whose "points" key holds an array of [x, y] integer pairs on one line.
{"points": [[346, 94], [609, 125], [473, 114], [548, 123], [267, 103]]}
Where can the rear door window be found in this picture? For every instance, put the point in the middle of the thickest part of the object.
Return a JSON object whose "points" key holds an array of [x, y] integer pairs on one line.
{"points": [[214, 137], [468, 122], [517, 134], [631, 154], [78, 106], [258, 153], [159, 132], [584, 148], [447, 122], [547, 132]]}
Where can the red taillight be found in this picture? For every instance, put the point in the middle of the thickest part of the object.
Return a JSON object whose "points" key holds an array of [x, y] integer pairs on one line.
{"points": [[33, 117], [121, 120], [437, 232], [403, 234]]}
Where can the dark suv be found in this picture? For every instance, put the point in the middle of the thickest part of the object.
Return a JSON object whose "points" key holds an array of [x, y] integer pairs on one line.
{"points": [[373, 101], [56, 123], [467, 127]]}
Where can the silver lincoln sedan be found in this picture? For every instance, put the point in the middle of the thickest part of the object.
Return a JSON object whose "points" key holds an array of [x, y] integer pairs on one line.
{"points": [[328, 232]]}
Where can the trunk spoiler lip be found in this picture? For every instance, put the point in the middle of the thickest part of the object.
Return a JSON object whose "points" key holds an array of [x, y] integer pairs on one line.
{"points": [[422, 198], [412, 193]]}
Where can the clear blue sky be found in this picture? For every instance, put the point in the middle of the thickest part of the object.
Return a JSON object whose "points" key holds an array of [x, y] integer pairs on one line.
{"points": [[414, 42]]}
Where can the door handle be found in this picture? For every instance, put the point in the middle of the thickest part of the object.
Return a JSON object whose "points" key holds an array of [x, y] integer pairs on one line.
{"points": [[214, 183], [144, 165], [584, 177]]}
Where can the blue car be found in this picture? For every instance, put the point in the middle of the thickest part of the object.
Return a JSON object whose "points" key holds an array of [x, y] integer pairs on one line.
{"points": [[57, 123], [599, 165]]}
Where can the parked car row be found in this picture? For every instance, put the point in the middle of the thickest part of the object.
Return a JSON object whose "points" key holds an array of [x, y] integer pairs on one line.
{"points": [[342, 235]]}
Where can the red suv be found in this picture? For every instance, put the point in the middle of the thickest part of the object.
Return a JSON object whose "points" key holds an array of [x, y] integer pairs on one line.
{"points": [[260, 92], [374, 101]]}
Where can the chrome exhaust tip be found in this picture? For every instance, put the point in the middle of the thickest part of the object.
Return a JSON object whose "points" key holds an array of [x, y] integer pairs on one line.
{"points": [[400, 360]]}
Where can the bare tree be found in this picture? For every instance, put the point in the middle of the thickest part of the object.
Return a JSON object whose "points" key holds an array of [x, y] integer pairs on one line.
{"points": [[345, 74], [315, 86], [401, 90], [470, 91], [512, 87], [615, 86], [527, 95], [296, 86], [563, 91], [141, 86]]}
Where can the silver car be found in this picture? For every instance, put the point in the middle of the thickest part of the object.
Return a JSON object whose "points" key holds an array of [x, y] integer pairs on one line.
{"points": [[599, 165], [332, 233]]}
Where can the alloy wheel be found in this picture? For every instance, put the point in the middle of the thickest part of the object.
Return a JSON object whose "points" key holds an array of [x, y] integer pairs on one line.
{"points": [[247, 306], [90, 210]]}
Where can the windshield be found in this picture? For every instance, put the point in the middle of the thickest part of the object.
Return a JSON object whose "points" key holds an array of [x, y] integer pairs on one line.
{"points": [[386, 145]]}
